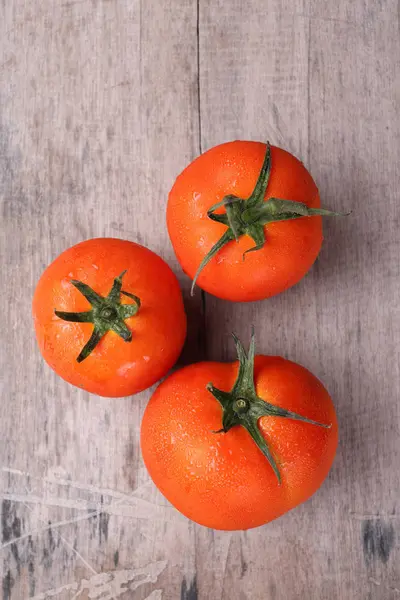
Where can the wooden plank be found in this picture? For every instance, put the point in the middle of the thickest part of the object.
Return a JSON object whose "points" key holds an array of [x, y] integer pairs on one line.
{"points": [[98, 115], [355, 159], [321, 82]]}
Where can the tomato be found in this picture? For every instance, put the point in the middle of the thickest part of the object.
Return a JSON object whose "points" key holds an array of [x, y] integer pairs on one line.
{"points": [[109, 317], [268, 197], [244, 449]]}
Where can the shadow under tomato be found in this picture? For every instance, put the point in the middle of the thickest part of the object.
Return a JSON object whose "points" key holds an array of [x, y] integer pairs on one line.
{"points": [[194, 349]]}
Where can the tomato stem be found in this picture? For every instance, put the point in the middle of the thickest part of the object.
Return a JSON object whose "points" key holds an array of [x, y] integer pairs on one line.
{"points": [[242, 406], [250, 216], [106, 314]]}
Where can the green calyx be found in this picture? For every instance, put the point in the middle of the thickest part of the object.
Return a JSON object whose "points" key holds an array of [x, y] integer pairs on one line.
{"points": [[249, 216], [106, 313], [242, 406]]}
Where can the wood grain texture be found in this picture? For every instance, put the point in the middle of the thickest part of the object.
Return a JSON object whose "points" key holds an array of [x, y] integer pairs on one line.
{"points": [[102, 103]]}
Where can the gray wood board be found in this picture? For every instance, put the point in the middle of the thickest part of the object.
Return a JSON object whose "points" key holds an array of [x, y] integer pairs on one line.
{"points": [[102, 104]]}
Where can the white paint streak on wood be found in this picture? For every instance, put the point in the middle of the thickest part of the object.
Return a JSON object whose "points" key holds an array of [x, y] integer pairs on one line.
{"points": [[56, 592], [78, 554], [55, 479], [142, 510], [55, 525], [99, 113], [138, 508], [155, 595], [110, 585], [70, 547]]}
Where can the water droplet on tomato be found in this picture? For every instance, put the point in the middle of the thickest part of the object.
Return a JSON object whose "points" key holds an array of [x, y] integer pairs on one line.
{"points": [[123, 370]]}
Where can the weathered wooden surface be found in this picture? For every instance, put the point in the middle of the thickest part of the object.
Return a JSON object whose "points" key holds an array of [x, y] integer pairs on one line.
{"points": [[102, 103]]}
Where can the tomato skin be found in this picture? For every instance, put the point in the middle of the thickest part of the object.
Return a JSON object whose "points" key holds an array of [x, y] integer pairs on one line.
{"points": [[223, 481], [114, 368], [291, 246]]}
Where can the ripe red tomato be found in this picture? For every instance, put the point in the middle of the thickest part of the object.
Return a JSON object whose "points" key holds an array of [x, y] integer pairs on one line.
{"points": [[238, 459], [109, 317], [262, 196]]}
